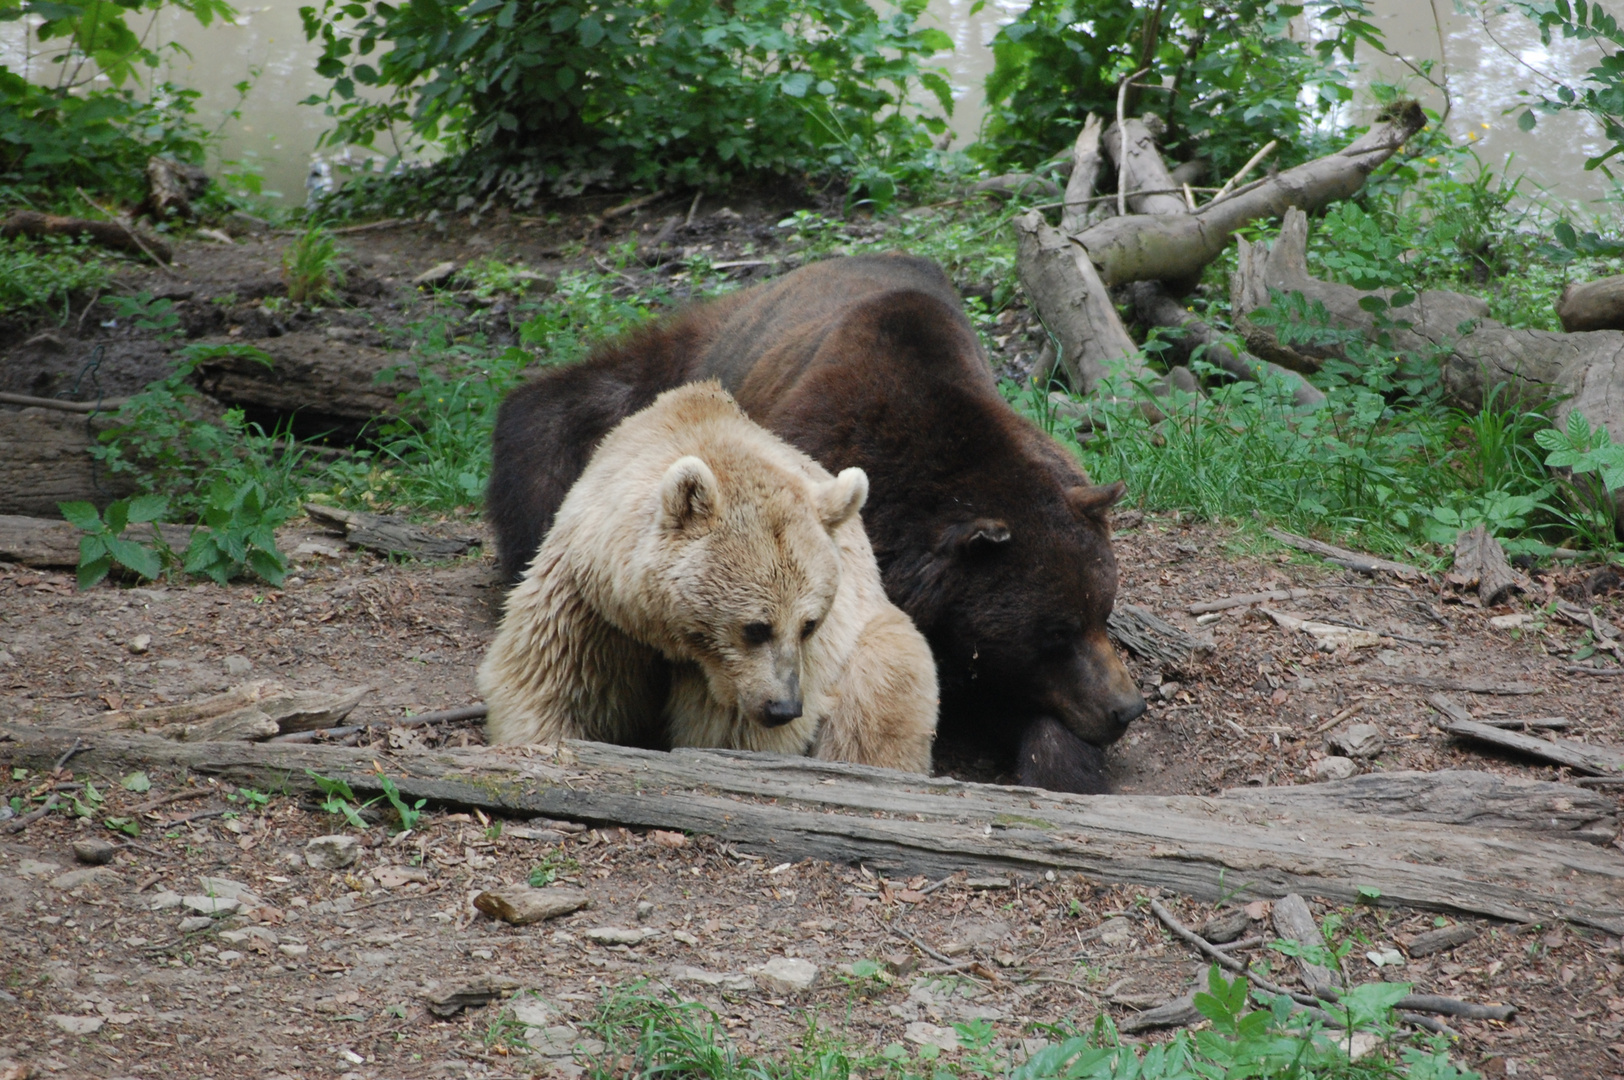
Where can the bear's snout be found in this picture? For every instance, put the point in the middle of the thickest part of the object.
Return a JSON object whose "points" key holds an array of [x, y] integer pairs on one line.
{"points": [[780, 712]]}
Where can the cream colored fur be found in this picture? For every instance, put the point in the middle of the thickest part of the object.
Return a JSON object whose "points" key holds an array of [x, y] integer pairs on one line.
{"points": [[690, 522]]}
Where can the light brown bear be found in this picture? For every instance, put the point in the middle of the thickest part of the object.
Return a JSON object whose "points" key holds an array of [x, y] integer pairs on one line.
{"points": [[706, 584]]}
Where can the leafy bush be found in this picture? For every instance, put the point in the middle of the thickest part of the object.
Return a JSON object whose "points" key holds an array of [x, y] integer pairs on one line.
{"points": [[1224, 77], [645, 92], [103, 543], [90, 128], [40, 277]]}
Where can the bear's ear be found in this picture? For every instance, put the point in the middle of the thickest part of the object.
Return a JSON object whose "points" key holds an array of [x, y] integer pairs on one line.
{"points": [[982, 534], [1094, 501], [689, 495], [838, 499]]}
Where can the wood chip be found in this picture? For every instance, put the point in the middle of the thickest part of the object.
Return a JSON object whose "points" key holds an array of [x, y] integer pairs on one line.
{"points": [[1441, 940], [1293, 921], [1248, 599]]}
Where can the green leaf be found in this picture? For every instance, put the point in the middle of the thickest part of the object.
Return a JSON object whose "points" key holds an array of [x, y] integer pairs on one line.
{"points": [[81, 515], [144, 508], [137, 782], [138, 557], [90, 573], [117, 516]]}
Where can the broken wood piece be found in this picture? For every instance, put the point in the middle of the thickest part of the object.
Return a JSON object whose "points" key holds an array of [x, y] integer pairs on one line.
{"points": [[45, 460], [1352, 560], [441, 716], [1584, 757], [1582, 616], [1180, 1012], [522, 905], [1085, 170], [1548, 723], [42, 542], [898, 823], [1480, 563], [1340, 637], [446, 1002], [1294, 922], [346, 383], [28, 401], [252, 711], [1586, 669], [1248, 599], [1152, 638], [1466, 686], [1141, 171], [1017, 184], [1449, 707], [109, 234], [1480, 800], [1440, 940], [390, 535]]}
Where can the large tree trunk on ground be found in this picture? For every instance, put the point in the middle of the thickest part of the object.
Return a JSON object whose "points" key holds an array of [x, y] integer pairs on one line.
{"points": [[800, 808], [1163, 247], [35, 541], [45, 459], [1144, 176], [313, 373], [1583, 372]]}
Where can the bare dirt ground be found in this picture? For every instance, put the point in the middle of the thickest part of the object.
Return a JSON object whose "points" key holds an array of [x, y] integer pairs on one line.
{"points": [[328, 971]]}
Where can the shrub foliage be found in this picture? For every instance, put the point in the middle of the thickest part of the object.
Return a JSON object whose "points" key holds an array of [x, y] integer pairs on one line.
{"points": [[693, 92]]}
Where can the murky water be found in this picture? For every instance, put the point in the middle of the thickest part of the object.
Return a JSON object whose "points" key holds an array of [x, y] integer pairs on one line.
{"points": [[277, 135]]}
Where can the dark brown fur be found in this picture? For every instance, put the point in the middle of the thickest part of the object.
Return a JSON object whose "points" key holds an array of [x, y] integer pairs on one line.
{"points": [[987, 533]]}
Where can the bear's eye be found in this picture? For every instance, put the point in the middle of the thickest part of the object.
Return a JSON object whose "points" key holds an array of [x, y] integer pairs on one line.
{"points": [[807, 628], [757, 633]]}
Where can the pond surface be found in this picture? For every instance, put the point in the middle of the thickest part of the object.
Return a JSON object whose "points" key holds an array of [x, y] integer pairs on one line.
{"points": [[1487, 64]]}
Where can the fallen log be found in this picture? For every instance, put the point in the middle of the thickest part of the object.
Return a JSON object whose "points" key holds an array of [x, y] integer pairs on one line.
{"points": [[1085, 171], [390, 535], [1145, 181], [1150, 637], [1145, 247], [1154, 306], [1348, 560], [172, 186], [1592, 305], [1480, 563], [255, 710], [313, 373], [790, 808], [109, 234], [1581, 757], [45, 460], [1531, 368], [40, 542]]}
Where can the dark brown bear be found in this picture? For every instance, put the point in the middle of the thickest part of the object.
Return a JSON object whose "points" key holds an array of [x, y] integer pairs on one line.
{"points": [[987, 532]]}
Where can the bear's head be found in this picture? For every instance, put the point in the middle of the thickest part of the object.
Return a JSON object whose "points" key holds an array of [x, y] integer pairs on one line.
{"points": [[1020, 630], [752, 572]]}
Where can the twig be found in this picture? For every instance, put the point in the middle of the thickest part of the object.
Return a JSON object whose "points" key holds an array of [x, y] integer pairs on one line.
{"points": [[1584, 669], [941, 958], [386, 223], [32, 816], [1597, 781], [1243, 943], [172, 797], [1122, 143], [1251, 164], [1337, 719], [95, 298], [1379, 633], [68, 754], [115, 219], [197, 817], [693, 208], [465, 712], [28, 401]]}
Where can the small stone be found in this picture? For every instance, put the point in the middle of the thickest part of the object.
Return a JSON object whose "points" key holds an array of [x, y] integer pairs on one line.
{"points": [[1116, 933], [448, 1001], [332, 852], [732, 981], [293, 950], [193, 923], [1509, 622], [1333, 768], [922, 1033], [1359, 741], [987, 883], [645, 911], [77, 1025], [438, 274], [784, 974], [1435, 941], [211, 905], [164, 901], [685, 937], [620, 935], [393, 877], [235, 890], [95, 852], [668, 839], [96, 875], [140, 643], [227, 957], [237, 664], [522, 905], [35, 868]]}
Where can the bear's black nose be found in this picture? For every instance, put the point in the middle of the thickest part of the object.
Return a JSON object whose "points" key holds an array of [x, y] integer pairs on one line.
{"points": [[1123, 715], [779, 713]]}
